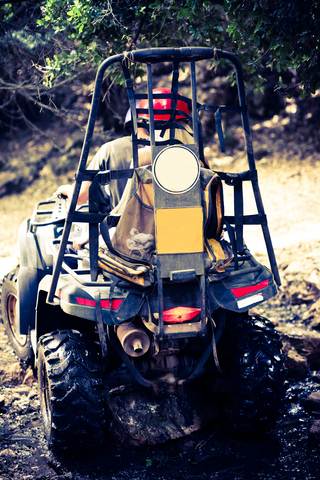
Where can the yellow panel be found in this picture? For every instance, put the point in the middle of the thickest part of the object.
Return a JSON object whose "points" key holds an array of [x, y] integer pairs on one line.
{"points": [[179, 230]]}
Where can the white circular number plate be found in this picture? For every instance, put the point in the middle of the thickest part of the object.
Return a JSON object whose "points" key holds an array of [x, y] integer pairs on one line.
{"points": [[176, 169]]}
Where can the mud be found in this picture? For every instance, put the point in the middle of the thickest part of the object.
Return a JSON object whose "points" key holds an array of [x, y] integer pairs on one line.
{"points": [[287, 452], [291, 450]]}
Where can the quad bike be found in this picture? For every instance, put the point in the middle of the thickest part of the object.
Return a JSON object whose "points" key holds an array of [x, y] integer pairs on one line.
{"points": [[104, 321]]}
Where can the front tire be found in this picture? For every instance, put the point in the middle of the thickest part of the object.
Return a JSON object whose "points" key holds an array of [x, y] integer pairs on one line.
{"points": [[70, 390], [253, 360], [21, 344]]}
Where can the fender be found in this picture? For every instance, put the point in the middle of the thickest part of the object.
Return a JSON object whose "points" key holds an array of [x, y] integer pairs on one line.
{"points": [[33, 267]]}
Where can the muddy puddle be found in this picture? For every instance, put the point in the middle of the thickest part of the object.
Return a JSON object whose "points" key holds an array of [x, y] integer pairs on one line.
{"points": [[287, 452]]}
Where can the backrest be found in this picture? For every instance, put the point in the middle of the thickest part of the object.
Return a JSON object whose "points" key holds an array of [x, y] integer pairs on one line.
{"points": [[143, 231]]}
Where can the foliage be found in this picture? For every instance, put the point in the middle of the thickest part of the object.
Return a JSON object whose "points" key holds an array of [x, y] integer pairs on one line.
{"points": [[278, 35], [24, 47], [45, 42], [271, 36], [98, 29]]}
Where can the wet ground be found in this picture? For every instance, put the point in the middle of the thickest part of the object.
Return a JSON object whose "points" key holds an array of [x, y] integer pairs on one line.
{"points": [[287, 452]]}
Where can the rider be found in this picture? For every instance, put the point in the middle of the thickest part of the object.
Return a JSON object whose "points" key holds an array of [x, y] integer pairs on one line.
{"points": [[117, 154]]}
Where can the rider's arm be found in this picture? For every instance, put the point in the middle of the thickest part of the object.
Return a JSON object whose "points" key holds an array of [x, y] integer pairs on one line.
{"points": [[84, 193], [67, 190], [144, 156]]}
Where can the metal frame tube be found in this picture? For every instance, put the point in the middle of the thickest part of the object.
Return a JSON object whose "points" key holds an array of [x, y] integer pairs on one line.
{"points": [[82, 163], [149, 56]]}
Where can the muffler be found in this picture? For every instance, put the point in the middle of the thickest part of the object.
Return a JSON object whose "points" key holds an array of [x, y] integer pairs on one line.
{"points": [[135, 341]]}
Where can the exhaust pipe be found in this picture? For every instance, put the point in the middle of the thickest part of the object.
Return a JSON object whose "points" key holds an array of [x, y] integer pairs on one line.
{"points": [[134, 341]]}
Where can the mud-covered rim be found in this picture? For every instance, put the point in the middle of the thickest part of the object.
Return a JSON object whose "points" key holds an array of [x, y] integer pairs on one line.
{"points": [[12, 313]]}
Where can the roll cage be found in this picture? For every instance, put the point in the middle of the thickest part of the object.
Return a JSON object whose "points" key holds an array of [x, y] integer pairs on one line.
{"points": [[95, 216]]}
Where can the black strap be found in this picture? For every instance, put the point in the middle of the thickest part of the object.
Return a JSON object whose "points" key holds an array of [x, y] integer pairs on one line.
{"points": [[88, 217], [217, 117], [201, 149], [150, 109], [255, 219], [238, 213], [105, 176], [232, 239], [144, 96], [83, 175], [233, 178], [160, 142], [93, 250], [113, 220], [174, 91], [165, 111], [93, 232], [163, 125], [213, 108], [195, 113], [98, 211], [104, 230], [132, 104]]}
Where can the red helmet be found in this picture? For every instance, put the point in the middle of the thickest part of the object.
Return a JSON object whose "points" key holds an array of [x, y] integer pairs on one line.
{"points": [[183, 110]]}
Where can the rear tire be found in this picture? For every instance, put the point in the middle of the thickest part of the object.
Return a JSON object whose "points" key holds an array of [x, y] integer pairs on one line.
{"points": [[70, 390], [21, 344], [253, 360]]}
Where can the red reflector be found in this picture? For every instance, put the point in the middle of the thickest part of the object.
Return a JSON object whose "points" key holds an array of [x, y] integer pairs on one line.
{"points": [[243, 291], [113, 305], [180, 314], [86, 302]]}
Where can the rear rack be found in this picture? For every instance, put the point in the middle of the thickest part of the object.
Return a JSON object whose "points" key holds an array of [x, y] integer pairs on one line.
{"points": [[94, 217]]}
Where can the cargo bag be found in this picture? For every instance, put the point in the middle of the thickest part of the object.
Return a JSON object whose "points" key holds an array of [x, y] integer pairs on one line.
{"points": [[134, 237]]}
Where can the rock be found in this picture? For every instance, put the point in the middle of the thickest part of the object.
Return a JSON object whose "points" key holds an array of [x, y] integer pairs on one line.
{"points": [[296, 364], [29, 377], [301, 280], [22, 389], [305, 341], [314, 278], [314, 432], [312, 402], [316, 376], [33, 394], [7, 452], [261, 153], [294, 267], [2, 403], [143, 418], [312, 316], [12, 373], [303, 293]]}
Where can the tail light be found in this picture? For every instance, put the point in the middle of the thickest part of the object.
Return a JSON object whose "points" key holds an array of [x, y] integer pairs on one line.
{"points": [[113, 304], [85, 302], [180, 314], [243, 291]]}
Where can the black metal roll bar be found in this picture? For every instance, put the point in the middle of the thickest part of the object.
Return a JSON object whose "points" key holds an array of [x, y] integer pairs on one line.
{"points": [[149, 56]]}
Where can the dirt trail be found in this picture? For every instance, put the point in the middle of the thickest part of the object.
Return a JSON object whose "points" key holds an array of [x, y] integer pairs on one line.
{"points": [[290, 193], [213, 454], [288, 185]]}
